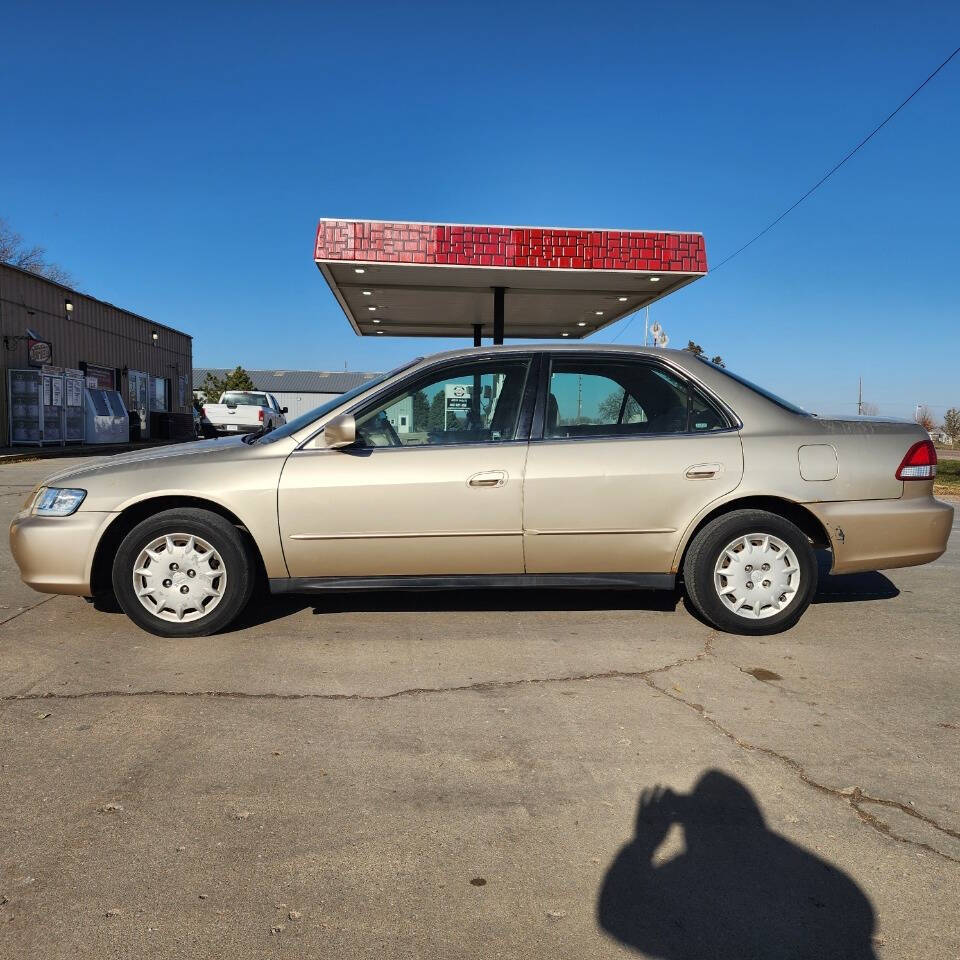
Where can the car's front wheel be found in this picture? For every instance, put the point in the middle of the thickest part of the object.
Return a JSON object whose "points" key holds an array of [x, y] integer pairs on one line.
{"points": [[751, 572], [183, 573]]}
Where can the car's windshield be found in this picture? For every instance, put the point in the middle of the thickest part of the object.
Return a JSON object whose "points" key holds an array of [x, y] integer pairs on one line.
{"points": [[305, 419], [772, 397], [245, 399]]}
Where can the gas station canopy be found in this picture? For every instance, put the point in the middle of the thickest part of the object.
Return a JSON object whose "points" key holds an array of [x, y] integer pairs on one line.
{"points": [[461, 280]]}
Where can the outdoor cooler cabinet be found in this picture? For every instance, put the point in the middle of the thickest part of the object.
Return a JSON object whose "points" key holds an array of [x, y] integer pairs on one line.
{"points": [[46, 407]]}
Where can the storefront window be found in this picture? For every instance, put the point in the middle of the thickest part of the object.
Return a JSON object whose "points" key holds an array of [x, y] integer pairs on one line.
{"points": [[158, 394]]}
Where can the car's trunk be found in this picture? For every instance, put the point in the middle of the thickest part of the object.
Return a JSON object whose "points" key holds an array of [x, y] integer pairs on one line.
{"points": [[868, 451]]}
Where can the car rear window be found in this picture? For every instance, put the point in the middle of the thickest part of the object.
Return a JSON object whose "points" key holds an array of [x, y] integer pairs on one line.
{"points": [[750, 385], [246, 399]]}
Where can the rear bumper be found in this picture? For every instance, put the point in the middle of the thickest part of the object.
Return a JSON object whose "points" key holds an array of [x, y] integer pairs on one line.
{"points": [[237, 428], [55, 554], [883, 534]]}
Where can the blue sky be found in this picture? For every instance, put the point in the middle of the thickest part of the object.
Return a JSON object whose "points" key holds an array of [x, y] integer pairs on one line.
{"points": [[175, 158]]}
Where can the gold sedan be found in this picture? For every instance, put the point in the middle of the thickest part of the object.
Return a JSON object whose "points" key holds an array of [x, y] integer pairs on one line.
{"points": [[514, 466]]}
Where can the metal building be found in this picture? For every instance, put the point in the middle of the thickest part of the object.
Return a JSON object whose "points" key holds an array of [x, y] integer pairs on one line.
{"points": [[46, 325], [298, 390]]}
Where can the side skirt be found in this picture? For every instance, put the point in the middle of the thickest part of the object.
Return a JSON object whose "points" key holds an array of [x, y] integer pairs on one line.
{"points": [[474, 581]]}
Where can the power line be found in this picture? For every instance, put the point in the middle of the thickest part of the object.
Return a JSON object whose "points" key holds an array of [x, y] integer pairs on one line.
{"points": [[834, 169], [819, 183]]}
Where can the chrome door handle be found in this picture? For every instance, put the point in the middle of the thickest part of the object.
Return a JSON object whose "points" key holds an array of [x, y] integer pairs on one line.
{"points": [[703, 471], [488, 478]]}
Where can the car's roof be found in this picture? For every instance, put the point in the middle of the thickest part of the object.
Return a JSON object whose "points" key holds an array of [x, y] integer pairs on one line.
{"points": [[578, 346]]}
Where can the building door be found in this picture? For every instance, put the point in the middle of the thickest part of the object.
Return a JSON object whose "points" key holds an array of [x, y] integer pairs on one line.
{"points": [[138, 384], [630, 452], [440, 494]]}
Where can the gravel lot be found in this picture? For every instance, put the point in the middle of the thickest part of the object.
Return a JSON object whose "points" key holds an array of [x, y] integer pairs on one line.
{"points": [[460, 776]]}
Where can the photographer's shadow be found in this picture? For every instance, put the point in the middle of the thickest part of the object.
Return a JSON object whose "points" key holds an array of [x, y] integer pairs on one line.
{"points": [[738, 890]]}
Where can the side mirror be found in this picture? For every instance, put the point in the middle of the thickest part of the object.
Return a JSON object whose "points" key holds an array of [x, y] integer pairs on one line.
{"points": [[340, 432], [284, 409]]}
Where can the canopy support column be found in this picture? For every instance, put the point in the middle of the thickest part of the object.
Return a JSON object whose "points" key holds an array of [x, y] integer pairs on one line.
{"points": [[498, 315], [477, 328]]}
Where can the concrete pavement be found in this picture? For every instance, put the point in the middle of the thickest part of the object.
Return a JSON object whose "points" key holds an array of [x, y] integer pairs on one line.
{"points": [[454, 776]]}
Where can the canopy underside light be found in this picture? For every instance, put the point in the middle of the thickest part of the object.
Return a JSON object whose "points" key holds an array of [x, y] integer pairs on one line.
{"points": [[458, 280]]}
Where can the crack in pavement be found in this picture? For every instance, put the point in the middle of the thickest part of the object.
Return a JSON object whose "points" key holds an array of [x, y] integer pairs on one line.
{"points": [[20, 613], [481, 685], [853, 798]]}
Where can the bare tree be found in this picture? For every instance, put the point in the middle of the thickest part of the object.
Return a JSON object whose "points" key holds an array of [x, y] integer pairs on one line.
{"points": [[14, 250], [924, 417]]}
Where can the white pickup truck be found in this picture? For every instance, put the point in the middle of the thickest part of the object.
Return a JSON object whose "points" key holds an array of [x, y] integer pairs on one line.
{"points": [[245, 411]]}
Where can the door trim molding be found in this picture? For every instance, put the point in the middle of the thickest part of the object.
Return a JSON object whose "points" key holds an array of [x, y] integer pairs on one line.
{"points": [[598, 532], [502, 581], [404, 535]]}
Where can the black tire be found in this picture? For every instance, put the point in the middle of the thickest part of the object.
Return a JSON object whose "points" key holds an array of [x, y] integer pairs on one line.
{"points": [[222, 535], [705, 551]]}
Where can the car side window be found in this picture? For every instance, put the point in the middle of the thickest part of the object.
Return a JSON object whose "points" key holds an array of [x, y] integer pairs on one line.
{"points": [[476, 402], [704, 416], [597, 398]]}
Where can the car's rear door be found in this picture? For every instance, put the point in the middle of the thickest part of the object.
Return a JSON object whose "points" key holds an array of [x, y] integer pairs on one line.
{"points": [[624, 452], [433, 485]]}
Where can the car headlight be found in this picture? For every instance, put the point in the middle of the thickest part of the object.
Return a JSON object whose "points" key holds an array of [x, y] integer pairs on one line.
{"points": [[57, 501]]}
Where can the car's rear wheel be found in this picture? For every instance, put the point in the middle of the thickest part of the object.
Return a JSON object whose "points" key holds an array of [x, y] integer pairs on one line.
{"points": [[750, 572], [183, 573]]}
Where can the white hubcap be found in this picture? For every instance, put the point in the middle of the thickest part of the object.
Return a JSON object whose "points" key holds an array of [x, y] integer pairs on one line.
{"points": [[179, 577], [757, 576]]}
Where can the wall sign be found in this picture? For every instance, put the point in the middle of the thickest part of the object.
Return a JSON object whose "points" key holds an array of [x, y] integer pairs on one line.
{"points": [[39, 352], [104, 376]]}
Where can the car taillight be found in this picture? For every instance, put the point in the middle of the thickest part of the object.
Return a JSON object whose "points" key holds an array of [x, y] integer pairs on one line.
{"points": [[260, 411], [920, 463]]}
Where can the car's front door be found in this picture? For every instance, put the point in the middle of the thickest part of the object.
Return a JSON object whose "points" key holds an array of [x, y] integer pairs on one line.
{"points": [[433, 485], [628, 452]]}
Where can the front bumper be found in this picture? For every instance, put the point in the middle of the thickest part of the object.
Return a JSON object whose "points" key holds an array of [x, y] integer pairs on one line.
{"points": [[883, 534], [55, 554]]}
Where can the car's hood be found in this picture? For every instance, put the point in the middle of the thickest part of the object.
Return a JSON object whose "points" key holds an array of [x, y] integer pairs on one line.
{"points": [[197, 448]]}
